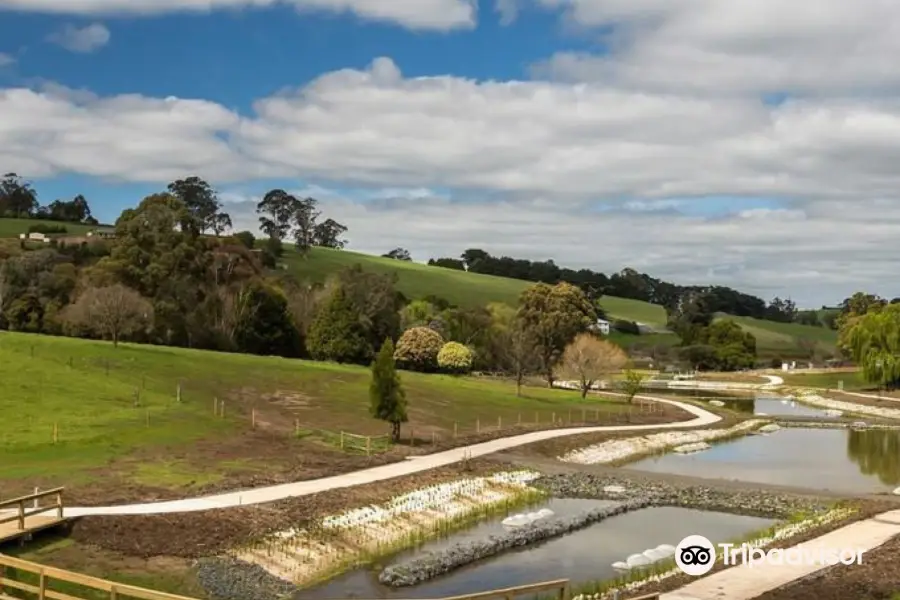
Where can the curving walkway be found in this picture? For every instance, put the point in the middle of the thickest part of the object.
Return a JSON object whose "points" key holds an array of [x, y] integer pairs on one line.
{"points": [[418, 464]]}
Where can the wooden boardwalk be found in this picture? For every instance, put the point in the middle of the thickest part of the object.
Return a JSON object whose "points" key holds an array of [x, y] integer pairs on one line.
{"points": [[25, 515]]}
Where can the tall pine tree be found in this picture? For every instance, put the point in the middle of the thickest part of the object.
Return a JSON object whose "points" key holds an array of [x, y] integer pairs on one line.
{"points": [[386, 396]]}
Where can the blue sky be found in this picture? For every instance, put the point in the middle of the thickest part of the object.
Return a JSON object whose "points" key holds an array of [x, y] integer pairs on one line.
{"points": [[743, 134]]}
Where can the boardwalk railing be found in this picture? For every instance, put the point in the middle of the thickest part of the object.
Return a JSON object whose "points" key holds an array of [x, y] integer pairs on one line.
{"points": [[24, 580], [29, 506]]}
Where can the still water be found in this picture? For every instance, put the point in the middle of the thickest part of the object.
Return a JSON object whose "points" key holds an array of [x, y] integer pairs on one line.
{"points": [[826, 459], [773, 406], [582, 556]]}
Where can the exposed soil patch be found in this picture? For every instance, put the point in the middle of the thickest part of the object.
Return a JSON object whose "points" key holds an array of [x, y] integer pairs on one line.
{"points": [[877, 578], [210, 532]]}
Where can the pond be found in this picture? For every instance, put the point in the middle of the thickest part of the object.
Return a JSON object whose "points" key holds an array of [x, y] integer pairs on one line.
{"points": [[826, 459], [583, 556], [774, 406]]}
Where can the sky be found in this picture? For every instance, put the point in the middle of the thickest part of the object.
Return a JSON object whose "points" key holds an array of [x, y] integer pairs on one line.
{"points": [[747, 143]]}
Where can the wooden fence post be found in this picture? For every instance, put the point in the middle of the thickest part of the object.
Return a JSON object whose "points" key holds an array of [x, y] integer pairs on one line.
{"points": [[42, 584], [553, 417], [59, 505], [478, 425], [342, 440], [253, 418], [21, 521], [297, 427], [178, 393], [216, 405], [499, 422], [369, 445], [222, 407], [433, 438]]}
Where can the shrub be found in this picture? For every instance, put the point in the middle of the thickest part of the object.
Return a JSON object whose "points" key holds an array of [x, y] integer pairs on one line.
{"points": [[455, 358], [336, 332], [775, 363], [418, 348]]}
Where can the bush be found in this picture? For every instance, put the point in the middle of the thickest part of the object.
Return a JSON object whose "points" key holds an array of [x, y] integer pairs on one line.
{"points": [[47, 228], [247, 239], [336, 332], [418, 348], [775, 363], [455, 358]]}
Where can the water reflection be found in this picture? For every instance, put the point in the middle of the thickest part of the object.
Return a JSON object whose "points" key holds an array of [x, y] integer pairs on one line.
{"points": [[876, 452], [585, 555], [808, 458]]}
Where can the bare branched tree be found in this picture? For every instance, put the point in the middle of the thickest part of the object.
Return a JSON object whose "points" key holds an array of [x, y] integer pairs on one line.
{"points": [[589, 359], [113, 312]]}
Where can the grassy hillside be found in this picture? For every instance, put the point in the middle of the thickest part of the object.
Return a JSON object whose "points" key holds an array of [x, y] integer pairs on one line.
{"points": [[776, 339], [11, 228], [459, 287], [115, 412]]}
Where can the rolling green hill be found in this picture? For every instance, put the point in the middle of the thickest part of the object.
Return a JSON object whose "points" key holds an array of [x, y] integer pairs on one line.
{"points": [[416, 280], [11, 228]]}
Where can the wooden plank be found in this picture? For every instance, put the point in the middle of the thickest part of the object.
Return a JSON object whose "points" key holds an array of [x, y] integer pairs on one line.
{"points": [[11, 531], [14, 502], [543, 586]]}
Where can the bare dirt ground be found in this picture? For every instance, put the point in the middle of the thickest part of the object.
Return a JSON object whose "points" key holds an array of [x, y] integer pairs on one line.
{"points": [[205, 533], [877, 578]]}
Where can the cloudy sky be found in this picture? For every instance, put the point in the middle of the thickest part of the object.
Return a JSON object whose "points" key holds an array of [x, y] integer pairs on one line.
{"points": [[749, 143]]}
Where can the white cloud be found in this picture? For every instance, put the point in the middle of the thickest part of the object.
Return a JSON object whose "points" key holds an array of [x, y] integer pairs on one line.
{"points": [[415, 14], [6, 60], [534, 153], [83, 40], [713, 47], [508, 10], [816, 256]]}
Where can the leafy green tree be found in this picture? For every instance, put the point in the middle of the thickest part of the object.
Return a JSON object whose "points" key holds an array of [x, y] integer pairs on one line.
{"points": [[246, 238], [387, 399], [455, 358], [328, 234], [510, 344], [632, 384], [874, 344], [17, 197], [336, 332], [553, 315], [276, 213], [688, 315], [376, 301], [418, 348], [734, 348], [305, 217], [418, 313], [202, 202], [853, 309], [264, 325]]}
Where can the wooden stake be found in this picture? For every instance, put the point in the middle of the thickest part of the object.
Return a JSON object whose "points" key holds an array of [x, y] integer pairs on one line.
{"points": [[297, 427], [553, 417], [342, 440], [499, 422], [253, 418], [222, 408], [455, 429], [477, 425], [368, 445], [55, 433], [216, 405], [519, 419], [433, 438], [178, 394], [536, 417]]}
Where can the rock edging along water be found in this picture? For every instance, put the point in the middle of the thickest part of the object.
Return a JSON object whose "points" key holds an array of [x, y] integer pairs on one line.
{"points": [[429, 566], [233, 579], [634, 497]]}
